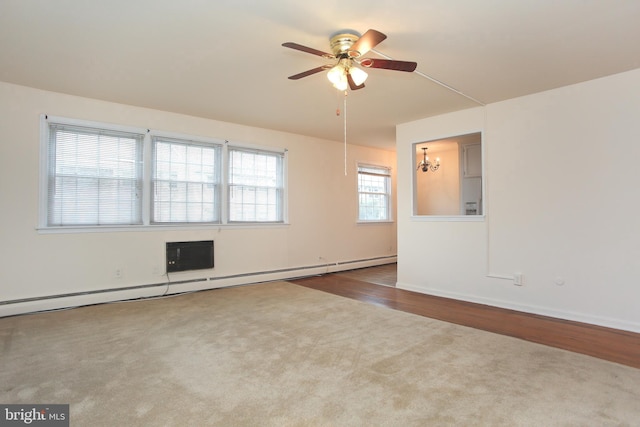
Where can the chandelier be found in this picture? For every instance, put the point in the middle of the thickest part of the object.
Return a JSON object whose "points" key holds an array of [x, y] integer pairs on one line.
{"points": [[427, 164]]}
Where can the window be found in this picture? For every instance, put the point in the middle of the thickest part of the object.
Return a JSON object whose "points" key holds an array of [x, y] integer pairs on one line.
{"points": [[98, 176], [256, 184], [95, 177], [186, 181], [456, 188], [374, 191]]}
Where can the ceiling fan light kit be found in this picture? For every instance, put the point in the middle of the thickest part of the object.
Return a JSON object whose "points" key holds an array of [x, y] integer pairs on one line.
{"points": [[339, 75]]}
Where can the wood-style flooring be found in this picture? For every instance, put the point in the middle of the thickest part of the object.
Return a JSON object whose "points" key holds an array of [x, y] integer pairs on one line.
{"points": [[376, 285]]}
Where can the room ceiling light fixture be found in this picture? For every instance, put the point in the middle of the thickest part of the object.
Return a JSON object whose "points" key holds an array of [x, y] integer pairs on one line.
{"points": [[426, 164], [340, 74]]}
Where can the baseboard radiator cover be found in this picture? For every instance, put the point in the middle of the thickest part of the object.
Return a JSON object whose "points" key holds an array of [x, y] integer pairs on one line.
{"points": [[174, 287]]}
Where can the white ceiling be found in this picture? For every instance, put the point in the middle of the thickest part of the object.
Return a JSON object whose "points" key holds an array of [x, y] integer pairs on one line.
{"points": [[223, 59]]}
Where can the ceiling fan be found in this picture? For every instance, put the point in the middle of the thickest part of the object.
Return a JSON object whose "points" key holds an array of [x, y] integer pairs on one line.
{"points": [[348, 48]]}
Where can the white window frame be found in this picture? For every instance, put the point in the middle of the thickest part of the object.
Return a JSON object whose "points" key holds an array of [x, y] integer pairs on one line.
{"points": [[147, 177], [384, 171], [216, 183], [46, 165], [280, 187]]}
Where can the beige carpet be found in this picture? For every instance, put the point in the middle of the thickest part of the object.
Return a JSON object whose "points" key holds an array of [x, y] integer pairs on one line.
{"points": [[278, 354]]}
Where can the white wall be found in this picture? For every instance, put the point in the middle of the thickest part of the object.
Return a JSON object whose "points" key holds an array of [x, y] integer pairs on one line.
{"points": [[322, 214], [562, 203]]}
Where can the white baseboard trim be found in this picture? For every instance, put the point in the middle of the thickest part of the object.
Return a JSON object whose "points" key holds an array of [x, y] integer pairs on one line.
{"points": [[543, 311], [155, 290]]}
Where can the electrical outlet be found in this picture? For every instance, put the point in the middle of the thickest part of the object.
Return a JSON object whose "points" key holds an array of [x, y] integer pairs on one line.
{"points": [[518, 279], [117, 273]]}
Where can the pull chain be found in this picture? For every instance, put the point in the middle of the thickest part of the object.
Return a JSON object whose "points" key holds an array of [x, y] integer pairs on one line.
{"points": [[344, 112]]}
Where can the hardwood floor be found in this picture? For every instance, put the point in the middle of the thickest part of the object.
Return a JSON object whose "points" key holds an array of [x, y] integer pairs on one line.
{"points": [[365, 285]]}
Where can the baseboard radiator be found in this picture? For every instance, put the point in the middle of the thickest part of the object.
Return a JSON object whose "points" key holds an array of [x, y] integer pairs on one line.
{"points": [[171, 287]]}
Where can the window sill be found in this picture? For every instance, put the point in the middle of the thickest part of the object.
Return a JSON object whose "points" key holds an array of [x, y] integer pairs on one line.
{"points": [[375, 222], [155, 227], [447, 218]]}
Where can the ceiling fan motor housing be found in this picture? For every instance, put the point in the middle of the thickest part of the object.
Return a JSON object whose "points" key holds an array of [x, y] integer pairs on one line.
{"points": [[342, 41]]}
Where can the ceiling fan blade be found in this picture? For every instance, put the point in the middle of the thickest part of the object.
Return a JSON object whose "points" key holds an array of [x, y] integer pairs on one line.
{"points": [[368, 41], [389, 64], [309, 72], [352, 84], [306, 49]]}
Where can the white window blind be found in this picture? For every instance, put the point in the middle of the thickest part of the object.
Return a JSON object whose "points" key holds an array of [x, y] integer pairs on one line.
{"points": [[374, 193], [101, 175], [186, 182], [256, 186], [95, 176]]}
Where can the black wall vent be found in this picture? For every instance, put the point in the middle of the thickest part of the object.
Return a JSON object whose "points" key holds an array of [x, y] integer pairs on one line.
{"points": [[182, 256]]}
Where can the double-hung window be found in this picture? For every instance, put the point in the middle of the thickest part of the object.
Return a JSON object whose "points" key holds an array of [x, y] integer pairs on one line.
{"points": [[374, 193], [94, 176], [186, 181], [256, 185]]}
